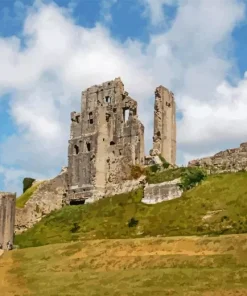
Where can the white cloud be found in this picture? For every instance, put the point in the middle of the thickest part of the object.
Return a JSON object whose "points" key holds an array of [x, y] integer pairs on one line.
{"points": [[106, 6], [60, 59], [154, 9]]}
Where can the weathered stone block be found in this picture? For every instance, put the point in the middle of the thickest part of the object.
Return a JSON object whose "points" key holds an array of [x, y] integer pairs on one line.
{"points": [[155, 193]]}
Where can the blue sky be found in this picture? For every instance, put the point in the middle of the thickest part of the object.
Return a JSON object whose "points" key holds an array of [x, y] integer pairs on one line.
{"points": [[51, 50]]}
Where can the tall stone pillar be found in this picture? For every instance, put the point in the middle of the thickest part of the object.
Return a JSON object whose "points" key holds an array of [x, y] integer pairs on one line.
{"points": [[7, 217], [164, 138]]}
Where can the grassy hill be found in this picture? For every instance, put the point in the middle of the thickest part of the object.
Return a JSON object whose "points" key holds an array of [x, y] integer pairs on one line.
{"points": [[217, 206], [24, 198], [189, 266]]}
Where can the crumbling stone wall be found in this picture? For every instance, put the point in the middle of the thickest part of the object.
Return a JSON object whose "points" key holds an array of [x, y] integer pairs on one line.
{"points": [[47, 197], [7, 217], [155, 193], [106, 138], [164, 138], [231, 160]]}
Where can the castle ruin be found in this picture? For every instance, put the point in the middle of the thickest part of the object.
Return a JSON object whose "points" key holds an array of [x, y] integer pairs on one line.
{"points": [[107, 138], [7, 218], [230, 160]]}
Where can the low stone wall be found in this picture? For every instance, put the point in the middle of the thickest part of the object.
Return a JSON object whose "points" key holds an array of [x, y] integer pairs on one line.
{"points": [[47, 198], [155, 193], [120, 188], [230, 160]]}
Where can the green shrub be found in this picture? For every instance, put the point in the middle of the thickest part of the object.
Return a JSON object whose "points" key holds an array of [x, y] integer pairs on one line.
{"points": [[191, 177], [133, 222], [75, 228], [154, 168], [165, 164], [27, 183], [136, 171]]}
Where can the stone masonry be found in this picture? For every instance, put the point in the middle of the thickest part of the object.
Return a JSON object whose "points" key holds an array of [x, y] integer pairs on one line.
{"points": [[47, 197], [7, 217], [107, 138], [164, 138], [231, 160], [155, 193]]}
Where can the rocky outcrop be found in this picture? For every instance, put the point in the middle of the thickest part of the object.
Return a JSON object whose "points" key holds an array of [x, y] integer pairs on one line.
{"points": [[47, 197], [155, 193], [230, 160]]}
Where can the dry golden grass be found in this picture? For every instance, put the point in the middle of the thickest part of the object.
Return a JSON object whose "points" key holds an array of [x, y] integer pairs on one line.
{"points": [[147, 266]]}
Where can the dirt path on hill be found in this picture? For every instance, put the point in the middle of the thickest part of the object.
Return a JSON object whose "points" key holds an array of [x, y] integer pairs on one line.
{"points": [[9, 285]]}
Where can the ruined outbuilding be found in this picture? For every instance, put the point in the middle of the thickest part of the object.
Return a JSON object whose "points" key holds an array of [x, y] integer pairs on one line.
{"points": [[7, 218], [107, 138], [230, 160]]}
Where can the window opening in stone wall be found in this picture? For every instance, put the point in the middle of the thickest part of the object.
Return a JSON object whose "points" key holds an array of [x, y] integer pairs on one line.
{"points": [[77, 118], [112, 143], [126, 113], [107, 99], [88, 147], [90, 115], [107, 117], [77, 202], [120, 151], [76, 149]]}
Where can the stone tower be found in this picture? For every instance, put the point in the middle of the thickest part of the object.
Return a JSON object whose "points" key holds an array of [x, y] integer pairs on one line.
{"points": [[164, 138], [7, 217], [106, 138]]}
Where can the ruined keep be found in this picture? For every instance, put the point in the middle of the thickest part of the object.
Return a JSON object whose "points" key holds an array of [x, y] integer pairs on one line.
{"points": [[107, 137], [7, 218], [164, 138]]}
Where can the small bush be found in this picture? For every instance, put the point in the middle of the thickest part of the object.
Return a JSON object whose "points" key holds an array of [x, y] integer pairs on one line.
{"points": [[165, 164], [133, 222], [75, 228], [27, 183], [154, 168], [136, 171], [191, 178]]}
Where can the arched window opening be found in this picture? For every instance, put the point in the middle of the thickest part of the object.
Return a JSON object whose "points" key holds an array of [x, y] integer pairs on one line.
{"points": [[76, 149], [90, 117], [107, 99], [88, 147], [126, 113]]}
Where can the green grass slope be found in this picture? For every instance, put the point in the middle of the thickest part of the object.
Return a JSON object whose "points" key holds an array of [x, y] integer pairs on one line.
{"points": [[24, 198], [217, 206]]}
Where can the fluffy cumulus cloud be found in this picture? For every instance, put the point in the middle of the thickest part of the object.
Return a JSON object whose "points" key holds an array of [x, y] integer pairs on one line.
{"points": [[154, 10], [46, 72]]}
